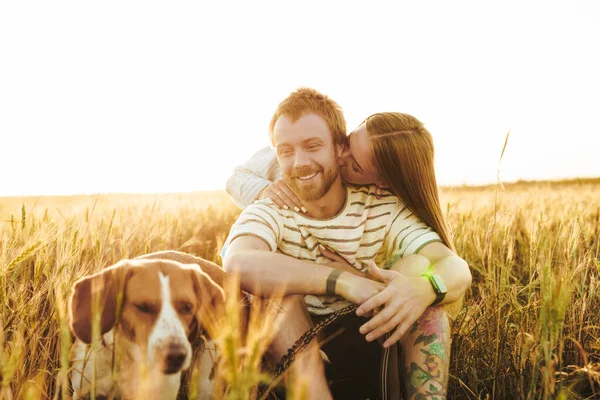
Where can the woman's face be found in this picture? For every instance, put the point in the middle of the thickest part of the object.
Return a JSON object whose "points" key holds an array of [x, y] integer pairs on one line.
{"points": [[356, 162]]}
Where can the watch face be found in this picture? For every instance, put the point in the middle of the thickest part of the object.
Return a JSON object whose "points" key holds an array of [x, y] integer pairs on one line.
{"points": [[439, 283]]}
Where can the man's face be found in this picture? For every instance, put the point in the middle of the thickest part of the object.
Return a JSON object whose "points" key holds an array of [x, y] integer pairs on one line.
{"points": [[306, 154]]}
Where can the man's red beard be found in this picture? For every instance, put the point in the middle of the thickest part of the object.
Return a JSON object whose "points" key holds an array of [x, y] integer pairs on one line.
{"points": [[312, 190]]}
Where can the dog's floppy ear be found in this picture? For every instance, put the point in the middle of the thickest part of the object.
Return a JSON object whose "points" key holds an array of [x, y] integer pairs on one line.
{"points": [[102, 289], [211, 300]]}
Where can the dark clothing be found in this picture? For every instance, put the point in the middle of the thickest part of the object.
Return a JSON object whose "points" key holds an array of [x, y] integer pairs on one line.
{"points": [[354, 370]]}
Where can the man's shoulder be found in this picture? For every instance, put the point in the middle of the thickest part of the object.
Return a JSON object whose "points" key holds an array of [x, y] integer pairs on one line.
{"points": [[266, 205], [370, 196]]}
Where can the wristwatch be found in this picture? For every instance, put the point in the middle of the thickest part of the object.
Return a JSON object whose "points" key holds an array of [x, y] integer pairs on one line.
{"points": [[438, 287]]}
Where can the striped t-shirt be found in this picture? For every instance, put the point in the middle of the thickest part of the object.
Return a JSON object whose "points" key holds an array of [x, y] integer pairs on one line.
{"points": [[367, 228]]}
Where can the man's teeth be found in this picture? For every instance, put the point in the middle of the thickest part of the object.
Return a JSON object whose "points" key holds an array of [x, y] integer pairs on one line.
{"points": [[304, 178]]}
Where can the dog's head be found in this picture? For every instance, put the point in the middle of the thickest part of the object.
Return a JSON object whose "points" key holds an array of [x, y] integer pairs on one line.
{"points": [[155, 304]]}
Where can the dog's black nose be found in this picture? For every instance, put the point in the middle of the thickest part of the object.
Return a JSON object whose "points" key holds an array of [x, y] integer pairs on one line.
{"points": [[176, 354]]}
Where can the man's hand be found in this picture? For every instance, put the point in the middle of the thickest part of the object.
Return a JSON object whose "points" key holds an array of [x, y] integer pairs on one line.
{"points": [[356, 289], [404, 300], [282, 195]]}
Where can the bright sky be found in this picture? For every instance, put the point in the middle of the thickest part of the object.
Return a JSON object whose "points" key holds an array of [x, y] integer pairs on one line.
{"points": [[148, 96]]}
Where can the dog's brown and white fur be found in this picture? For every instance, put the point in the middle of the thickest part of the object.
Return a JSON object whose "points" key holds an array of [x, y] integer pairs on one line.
{"points": [[166, 298]]}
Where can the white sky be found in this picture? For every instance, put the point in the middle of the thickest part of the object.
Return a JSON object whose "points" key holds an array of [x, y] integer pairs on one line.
{"points": [[148, 96]]}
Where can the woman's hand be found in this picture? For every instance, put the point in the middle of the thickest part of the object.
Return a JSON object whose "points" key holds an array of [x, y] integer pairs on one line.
{"points": [[404, 300], [282, 195]]}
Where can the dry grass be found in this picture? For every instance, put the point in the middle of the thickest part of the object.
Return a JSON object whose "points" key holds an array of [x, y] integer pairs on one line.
{"points": [[530, 327]]}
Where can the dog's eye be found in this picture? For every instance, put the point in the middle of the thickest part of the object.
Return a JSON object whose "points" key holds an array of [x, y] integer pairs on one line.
{"points": [[186, 308], [144, 308]]}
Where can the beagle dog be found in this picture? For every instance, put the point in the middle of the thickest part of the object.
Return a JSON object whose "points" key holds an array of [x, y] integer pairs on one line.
{"points": [[148, 310]]}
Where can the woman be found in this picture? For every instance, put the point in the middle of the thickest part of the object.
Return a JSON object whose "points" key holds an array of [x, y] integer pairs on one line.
{"points": [[395, 152]]}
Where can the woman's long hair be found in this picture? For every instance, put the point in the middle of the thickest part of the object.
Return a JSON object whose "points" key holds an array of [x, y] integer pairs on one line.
{"points": [[403, 155]]}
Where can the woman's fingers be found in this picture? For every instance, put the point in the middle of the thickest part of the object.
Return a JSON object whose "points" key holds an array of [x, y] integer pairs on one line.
{"points": [[270, 193], [339, 262], [330, 254], [274, 193], [283, 196], [379, 273], [288, 196], [289, 203]]}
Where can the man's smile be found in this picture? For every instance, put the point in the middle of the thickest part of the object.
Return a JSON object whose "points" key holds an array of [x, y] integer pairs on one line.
{"points": [[307, 177]]}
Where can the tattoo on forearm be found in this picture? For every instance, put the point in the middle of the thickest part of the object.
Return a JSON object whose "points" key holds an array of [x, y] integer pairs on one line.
{"points": [[428, 378]]}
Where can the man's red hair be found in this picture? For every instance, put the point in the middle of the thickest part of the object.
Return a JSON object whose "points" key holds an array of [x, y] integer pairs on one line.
{"points": [[306, 100]]}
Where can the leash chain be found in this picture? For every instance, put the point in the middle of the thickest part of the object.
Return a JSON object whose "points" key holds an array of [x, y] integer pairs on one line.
{"points": [[308, 336]]}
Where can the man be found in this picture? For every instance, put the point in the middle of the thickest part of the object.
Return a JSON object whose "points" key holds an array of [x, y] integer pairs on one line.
{"points": [[281, 252]]}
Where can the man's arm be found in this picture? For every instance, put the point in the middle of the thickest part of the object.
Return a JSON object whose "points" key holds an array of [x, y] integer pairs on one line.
{"points": [[408, 236], [266, 273], [250, 178]]}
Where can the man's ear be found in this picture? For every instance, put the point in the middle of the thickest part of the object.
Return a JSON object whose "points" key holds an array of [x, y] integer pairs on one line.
{"points": [[340, 150], [96, 293]]}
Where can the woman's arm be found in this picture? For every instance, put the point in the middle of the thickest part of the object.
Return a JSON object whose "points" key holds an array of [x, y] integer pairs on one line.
{"points": [[250, 178]]}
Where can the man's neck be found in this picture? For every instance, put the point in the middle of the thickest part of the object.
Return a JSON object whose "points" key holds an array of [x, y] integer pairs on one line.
{"points": [[330, 204]]}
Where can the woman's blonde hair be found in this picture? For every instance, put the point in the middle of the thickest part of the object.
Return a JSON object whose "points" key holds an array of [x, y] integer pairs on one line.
{"points": [[403, 155]]}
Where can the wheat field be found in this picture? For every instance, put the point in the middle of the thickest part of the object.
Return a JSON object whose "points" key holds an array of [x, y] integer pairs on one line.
{"points": [[530, 327]]}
